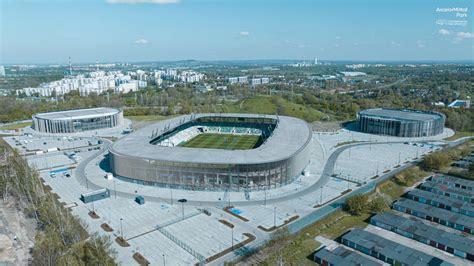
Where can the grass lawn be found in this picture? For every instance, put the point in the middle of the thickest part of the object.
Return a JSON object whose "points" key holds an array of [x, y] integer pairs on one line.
{"points": [[295, 249], [222, 141], [15, 126], [149, 117], [460, 134]]}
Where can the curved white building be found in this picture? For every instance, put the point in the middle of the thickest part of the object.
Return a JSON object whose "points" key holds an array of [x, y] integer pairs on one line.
{"points": [[77, 120]]}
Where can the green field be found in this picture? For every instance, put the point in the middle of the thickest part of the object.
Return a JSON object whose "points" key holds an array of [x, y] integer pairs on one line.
{"points": [[222, 141]]}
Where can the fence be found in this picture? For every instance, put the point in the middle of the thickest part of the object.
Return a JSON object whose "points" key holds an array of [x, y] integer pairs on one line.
{"points": [[318, 214]]}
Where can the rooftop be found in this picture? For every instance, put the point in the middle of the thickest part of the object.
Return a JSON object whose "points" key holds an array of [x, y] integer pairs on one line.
{"points": [[289, 137], [452, 202], [78, 114], [343, 256], [418, 228], [401, 114], [432, 211], [451, 180], [392, 249]]}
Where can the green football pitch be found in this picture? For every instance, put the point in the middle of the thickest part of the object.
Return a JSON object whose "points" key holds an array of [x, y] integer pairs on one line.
{"points": [[222, 141]]}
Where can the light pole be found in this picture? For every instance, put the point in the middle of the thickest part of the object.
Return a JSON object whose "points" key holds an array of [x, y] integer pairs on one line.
{"points": [[121, 228], [232, 234], [274, 217], [182, 201], [115, 189], [164, 262], [171, 196], [265, 200], [321, 197]]}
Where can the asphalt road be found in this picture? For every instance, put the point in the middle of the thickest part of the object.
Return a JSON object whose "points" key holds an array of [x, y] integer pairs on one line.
{"points": [[328, 171]]}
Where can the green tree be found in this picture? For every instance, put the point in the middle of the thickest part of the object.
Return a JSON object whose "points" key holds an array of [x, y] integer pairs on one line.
{"points": [[356, 204], [435, 161]]}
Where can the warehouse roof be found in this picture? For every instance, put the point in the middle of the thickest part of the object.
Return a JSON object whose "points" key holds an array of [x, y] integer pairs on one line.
{"points": [[401, 114], [78, 114], [343, 256], [392, 249], [419, 228], [451, 180], [452, 202], [442, 214]]}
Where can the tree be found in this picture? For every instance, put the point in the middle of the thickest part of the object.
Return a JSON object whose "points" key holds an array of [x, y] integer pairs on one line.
{"points": [[378, 205], [435, 161], [356, 204]]}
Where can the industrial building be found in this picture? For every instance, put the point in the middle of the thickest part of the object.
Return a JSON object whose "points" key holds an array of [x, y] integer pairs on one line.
{"points": [[412, 228], [77, 120], [387, 250], [343, 256], [452, 181], [457, 221], [441, 201], [400, 122], [152, 155], [448, 191]]}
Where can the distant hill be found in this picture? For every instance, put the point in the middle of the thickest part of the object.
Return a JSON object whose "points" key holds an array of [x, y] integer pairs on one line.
{"points": [[273, 105]]}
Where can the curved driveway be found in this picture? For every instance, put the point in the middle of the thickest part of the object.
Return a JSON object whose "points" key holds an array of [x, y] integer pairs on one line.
{"points": [[328, 171]]}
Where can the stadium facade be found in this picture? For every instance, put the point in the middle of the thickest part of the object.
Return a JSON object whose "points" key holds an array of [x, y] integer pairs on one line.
{"points": [[77, 120], [153, 155], [400, 122]]}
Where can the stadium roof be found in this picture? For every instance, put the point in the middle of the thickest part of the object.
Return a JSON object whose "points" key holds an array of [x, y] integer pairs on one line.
{"points": [[401, 114], [78, 114], [289, 137]]}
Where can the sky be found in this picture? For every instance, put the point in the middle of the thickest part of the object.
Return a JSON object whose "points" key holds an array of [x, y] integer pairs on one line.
{"points": [[36, 31]]}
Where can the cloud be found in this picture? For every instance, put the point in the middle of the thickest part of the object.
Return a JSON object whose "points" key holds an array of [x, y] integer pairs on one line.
{"points": [[464, 35], [395, 44], [244, 33], [141, 41], [420, 44], [444, 32], [133, 2]]}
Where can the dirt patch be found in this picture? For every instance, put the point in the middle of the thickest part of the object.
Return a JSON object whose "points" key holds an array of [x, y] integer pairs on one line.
{"points": [[227, 209], [106, 227], [122, 242], [249, 239], [17, 234], [140, 259], [93, 215], [227, 223], [273, 228]]}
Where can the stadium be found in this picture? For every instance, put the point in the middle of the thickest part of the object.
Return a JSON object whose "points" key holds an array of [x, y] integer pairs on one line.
{"points": [[214, 152], [400, 122], [77, 120]]}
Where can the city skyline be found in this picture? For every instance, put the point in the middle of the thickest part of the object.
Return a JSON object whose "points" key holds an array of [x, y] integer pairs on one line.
{"points": [[213, 30]]}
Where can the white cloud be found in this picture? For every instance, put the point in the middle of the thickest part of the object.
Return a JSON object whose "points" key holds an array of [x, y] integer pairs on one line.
{"points": [[444, 32], [464, 35], [338, 37], [141, 41], [133, 2], [420, 44], [244, 33], [395, 44]]}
